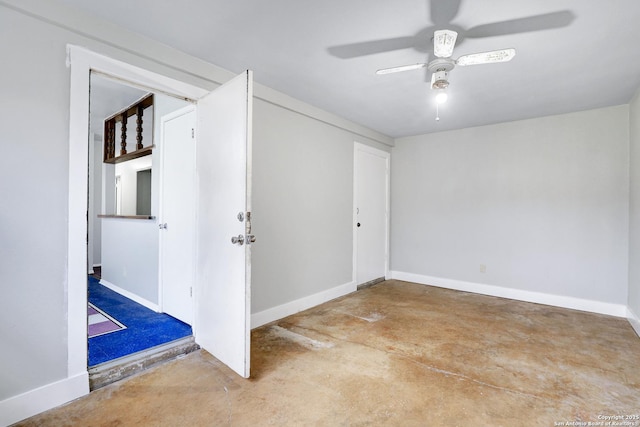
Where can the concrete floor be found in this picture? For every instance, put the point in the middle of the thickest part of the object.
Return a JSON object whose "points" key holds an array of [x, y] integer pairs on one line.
{"points": [[393, 354]]}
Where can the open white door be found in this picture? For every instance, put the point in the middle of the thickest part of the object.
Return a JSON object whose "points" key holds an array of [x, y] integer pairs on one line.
{"points": [[223, 270]]}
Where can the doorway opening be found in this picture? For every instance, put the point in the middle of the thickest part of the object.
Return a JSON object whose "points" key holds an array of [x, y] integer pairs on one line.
{"points": [[125, 315], [223, 173]]}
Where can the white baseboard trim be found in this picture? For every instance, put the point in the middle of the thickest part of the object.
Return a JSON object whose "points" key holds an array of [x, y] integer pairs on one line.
{"points": [[41, 399], [618, 310], [150, 305], [293, 307], [91, 270], [634, 320]]}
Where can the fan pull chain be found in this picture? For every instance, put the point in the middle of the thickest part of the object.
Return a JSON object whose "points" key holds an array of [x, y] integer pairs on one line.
{"points": [[437, 112]]}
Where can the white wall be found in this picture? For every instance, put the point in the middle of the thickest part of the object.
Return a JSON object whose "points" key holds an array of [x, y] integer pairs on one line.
{"points": [[302, 206], [130, 246], [542, 203], [33, 232], [95, 202], [634, 213], [130, 256]]}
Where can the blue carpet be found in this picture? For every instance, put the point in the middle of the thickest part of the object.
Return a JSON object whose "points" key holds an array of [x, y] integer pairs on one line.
{"points": [[145, 327]]}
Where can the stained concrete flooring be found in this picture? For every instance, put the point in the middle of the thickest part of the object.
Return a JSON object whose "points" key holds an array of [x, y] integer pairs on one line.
{"points": [[393, 354]]}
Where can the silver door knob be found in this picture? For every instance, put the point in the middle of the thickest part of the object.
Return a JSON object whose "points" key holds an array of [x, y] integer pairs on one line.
{"points": [[238, 240]]}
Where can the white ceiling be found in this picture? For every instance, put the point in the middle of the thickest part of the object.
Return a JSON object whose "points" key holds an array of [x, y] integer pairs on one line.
{"points": [[294, 46]]}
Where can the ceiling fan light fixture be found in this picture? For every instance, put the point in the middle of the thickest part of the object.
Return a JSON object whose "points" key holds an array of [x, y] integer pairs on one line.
{"points": [[440, 84], [441, 97], [440, 80]]}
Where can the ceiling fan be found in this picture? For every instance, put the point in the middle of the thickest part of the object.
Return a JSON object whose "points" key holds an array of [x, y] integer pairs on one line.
{"points": [[445, 32], [443, 44], [442, 14]]}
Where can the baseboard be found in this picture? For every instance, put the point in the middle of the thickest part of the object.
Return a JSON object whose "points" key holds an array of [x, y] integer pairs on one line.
{"points": [[293, 307], [130, 295], [41, 399], [91, 270], [618, 310], [634, 320]]}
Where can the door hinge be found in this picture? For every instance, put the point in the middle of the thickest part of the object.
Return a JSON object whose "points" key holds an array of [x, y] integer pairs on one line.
{"points": [[191, 291], [193, 133]]}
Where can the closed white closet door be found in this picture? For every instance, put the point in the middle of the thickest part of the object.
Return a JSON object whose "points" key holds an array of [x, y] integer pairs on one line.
{"points": [[177, 213], [371, 188]]}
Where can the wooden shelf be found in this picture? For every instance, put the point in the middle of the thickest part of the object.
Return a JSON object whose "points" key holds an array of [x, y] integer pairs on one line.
{"points": [[132, 155], [127, 216]]}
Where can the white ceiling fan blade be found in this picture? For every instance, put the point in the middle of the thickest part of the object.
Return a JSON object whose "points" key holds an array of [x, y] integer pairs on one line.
{"points": [[401, 68], [443, 43], [502, 55]]}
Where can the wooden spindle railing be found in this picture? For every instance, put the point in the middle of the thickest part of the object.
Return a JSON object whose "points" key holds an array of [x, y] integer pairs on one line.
{"points": [[123, 134], [109, 140], [122, 116], [139, 113]]}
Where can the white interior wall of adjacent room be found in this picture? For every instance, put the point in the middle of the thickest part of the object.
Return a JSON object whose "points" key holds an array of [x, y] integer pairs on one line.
{"points": [[130, 257], [95, 197], [540, 205], [127, 171], [130, 246], [634, 213]]}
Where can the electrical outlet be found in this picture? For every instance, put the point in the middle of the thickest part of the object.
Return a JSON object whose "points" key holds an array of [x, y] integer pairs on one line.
{"points": [[483, 268]]}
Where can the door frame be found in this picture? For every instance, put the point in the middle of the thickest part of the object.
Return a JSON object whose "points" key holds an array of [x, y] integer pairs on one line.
{"points": [[359, 147], [161, 240], [82, 62]]}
